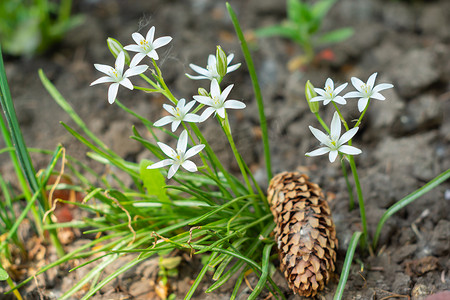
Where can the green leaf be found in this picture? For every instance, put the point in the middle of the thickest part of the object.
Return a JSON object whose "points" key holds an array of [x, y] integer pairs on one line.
{"points": [[347, 264], [154, 181], [293, 8], [321, 8], [278, 30], [337, 35], [3, 274]]}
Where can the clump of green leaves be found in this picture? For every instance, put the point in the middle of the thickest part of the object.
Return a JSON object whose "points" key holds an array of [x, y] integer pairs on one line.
{"points": [[30, 27], [303, 24]]}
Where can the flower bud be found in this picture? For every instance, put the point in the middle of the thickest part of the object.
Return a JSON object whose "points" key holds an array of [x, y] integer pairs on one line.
{"points": [[203, 92], [310, 93], [115, 47], [222, 62]]}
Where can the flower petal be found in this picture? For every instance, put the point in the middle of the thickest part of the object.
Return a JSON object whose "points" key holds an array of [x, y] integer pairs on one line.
{"points": [[317, 98], [162, 41], [161, 164], [233, 67], [163, 121], [175, 125], [347, 136], [134, 48], [182, 141], [221, 112], [340, 88], [378, 96], [196, 77], [103, 68], [329, 83], [350, 150], [193, 151], [234, 104], [362, 103], [212, 60], [335, 130], [332, 156], [189, 166], [199, 70], [357, 83], [226, 92], [120, 62], [382, 86], [188, 106], [150, 35], [322, 137], [206, 113], [191, 118], [318, 152], [137, 59], [371, 80], [112, 92], [137, 37], [153, 54], [167, 150], [340, 100], [204, 100], [173, 169], [215, 88], [353, 94], [104, 79], [126, 83], [135, 70]]}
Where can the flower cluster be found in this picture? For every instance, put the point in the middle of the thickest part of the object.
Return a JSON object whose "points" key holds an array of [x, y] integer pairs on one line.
{"points": [[215, 100], [364, 91], [333, 143]]}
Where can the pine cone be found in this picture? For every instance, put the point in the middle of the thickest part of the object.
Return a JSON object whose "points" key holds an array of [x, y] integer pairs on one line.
{"points": [[304, 232]]}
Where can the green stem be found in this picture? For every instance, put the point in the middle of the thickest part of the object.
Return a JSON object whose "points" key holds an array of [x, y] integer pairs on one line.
{"points": [[347, 182], [407, 200], [214, 160], [322, 123], [362, 210], [12, 286], [226, 128], [362, 114], [256, 88]]}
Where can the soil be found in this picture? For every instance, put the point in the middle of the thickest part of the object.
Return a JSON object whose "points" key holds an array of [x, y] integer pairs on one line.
{"points": [[405, 139]]}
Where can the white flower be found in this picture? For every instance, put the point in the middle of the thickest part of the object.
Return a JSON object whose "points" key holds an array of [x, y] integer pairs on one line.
{"points": [[366, 91], [333, 143], [146, 46], [217, 101], [116, 75], [178, 157], [329, 94], [211, 69], [178, 114]]}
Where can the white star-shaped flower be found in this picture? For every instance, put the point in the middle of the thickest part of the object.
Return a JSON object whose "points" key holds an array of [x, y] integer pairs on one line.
{"points": [[210, 72], [333, 144], [146, 46], [329, 94], [116, 76], [178, 157], [178, 114], [366, 91], [217, 101]]}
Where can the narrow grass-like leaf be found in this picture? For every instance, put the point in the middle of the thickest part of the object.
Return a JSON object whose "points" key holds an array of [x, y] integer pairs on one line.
{"points": [[407, 200], [199, 277], [347, 264], [256, 88], [265, 272], [154, 181], [220, 208]]}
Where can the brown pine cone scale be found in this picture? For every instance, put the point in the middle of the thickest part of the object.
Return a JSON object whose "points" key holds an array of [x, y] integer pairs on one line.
{"points": [[304, 232]]}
